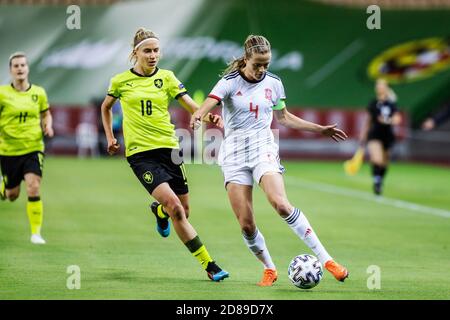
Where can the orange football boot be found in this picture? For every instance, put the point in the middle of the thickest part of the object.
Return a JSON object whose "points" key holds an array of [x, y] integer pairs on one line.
{"points": [[338, 271], [269, 277]]}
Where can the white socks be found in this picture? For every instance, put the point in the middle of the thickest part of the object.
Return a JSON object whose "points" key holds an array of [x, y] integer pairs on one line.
{"points": [[257, 245], [298, 222]]}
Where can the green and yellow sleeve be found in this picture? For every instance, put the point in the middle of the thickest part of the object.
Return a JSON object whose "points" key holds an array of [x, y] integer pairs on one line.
{"points": [[113, 89], [43, 102], [175, 87]]}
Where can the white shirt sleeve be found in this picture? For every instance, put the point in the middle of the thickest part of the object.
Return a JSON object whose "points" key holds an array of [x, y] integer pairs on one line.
{"points": [[221, 90], [280, 91]]}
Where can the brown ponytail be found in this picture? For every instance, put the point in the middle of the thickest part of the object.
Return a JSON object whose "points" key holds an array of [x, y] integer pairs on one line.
{"points": [[253, 44]]}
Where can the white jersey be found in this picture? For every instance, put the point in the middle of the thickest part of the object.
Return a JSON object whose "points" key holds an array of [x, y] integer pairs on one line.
{"points": [[247, 110]]}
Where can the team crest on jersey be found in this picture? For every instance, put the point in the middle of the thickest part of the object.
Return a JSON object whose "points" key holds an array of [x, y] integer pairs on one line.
{"points": [[148, 177], [34, 97], [268, 94], [158, 83]]}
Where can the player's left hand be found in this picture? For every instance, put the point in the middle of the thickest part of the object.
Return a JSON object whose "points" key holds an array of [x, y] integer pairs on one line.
{"points": [[48, 131], [215, 119], [428, 124], [333, 132]]}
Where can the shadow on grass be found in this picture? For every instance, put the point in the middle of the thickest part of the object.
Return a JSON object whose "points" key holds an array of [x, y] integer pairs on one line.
{"points": [[137, 277]]}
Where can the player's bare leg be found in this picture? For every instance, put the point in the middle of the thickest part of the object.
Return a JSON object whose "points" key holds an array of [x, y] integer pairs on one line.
{"points": [[378, 161], [162, 217], [241, 202], [12, 194], [186, 232], [184, 198], [272, 184], [174, 208]]}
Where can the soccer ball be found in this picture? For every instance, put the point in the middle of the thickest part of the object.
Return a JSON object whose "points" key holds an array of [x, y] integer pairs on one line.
{"points": [[305, 271]]}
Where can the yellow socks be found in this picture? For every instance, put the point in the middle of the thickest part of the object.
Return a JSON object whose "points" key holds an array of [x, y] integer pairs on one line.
{"points": [[35, 212], [2, 187], [199, 251], [161, 212]]}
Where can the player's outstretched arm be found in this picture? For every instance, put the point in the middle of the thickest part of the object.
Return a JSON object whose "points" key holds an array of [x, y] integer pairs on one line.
{"points": [[199, 114], [47, 123], [107, 116], [289, 120], [191, 106]]}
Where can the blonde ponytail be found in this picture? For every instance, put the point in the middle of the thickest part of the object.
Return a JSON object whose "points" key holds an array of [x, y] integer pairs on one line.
{"points": [[140, 35]]}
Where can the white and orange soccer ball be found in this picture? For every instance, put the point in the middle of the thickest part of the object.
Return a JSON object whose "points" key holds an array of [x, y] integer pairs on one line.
{"points": [[305, 271]]}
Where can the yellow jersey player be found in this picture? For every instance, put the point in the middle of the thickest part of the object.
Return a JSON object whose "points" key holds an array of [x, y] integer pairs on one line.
{"points": [[151, 147], [24, 119]]}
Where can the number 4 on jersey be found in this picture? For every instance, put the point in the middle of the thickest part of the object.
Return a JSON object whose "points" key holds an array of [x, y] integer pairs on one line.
{"points": [[255, 109]]}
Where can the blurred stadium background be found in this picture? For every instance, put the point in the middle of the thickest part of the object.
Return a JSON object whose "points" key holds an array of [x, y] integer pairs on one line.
{"points": [[323, 52], [328, 60]]}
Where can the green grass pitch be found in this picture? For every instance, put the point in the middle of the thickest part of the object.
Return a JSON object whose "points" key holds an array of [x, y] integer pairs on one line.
{"points": [[97, 217]]}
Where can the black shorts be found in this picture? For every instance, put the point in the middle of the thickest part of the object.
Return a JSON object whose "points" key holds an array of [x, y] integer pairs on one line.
{"points": [[154, 167], [387, 139], [14, 168]]}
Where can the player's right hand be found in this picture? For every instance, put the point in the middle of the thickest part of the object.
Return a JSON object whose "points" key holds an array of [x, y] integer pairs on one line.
{"points": [[48, 131], [113, 146], [195, 122]]}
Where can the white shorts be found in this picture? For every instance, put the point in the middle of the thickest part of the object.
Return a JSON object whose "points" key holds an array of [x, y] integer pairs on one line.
{"points": [[246, 175]]}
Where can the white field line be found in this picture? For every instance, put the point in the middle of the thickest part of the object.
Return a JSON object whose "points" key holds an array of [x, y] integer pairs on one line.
{"points": [[335, 63], [346, 192]]}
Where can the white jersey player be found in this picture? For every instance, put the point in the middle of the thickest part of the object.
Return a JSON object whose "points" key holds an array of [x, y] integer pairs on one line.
{"points": [[250, 96], [249, 145]]}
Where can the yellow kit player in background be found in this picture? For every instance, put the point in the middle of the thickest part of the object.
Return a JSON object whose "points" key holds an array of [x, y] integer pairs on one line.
{"points": [[24, 119], [151, 146]]}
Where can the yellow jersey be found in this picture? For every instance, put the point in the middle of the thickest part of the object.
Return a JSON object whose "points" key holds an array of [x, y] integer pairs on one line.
{"points": [[20, 120], [145, 102]]}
